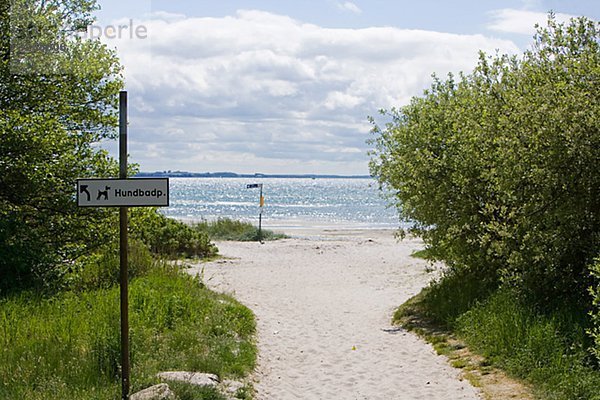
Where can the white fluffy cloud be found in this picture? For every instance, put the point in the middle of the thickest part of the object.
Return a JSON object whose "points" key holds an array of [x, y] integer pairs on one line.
{"points": [[521, 21], [260, 92]]}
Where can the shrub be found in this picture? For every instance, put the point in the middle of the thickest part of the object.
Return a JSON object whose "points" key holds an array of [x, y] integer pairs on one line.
{"points": [[498, 169], [101, 270], [595, 313], [169, 237], [52, 114]]}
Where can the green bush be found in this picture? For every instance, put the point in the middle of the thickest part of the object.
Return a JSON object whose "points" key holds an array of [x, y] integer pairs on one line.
{"points": [[595, 313], [101, 270], [168, 237], [498, 169], [498, 172], [49, 125]]}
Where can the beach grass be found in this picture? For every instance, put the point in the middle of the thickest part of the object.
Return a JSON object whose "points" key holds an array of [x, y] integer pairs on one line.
{"points": [[234, 230], [424, 254], [68, 346], [549, 351]]}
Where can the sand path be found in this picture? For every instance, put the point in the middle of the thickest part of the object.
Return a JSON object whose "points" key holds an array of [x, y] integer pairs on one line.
{"points": [[323, 309]]}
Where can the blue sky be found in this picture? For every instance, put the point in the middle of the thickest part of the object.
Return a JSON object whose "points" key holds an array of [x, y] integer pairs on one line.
{"points": [[286, 86]]}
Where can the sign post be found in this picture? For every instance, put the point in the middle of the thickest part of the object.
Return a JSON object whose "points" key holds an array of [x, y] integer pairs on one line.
{"points": [[123, 193], [261, 204], [123, 248]]}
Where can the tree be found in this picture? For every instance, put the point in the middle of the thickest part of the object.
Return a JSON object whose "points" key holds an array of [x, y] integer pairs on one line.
{"points": [[58, 97], [498, 169]]}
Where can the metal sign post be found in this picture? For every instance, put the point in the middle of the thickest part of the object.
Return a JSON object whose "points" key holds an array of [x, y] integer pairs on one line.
{"points": [[261, 205], [123, 245], [123, 193]]}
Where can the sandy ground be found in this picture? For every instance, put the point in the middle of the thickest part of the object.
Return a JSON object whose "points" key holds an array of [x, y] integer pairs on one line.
{"points": [[323, 302]]}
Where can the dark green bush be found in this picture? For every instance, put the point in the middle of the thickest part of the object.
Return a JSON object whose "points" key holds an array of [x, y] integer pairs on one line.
{"points": [[169, 237], [498, 172], [101, 270], [49, 125], [498, 169], [595, 313]]}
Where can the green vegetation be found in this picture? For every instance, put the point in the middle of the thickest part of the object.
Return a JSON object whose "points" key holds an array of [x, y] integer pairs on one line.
{"points": [[59, 264], [54, 106], [58, 99], [498, 170], [424, 254], [68, 346], [550, 350], [228, 229], [169, 237]]}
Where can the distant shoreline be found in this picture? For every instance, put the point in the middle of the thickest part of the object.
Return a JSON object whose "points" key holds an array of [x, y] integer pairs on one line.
{"points": [[186, 174]]}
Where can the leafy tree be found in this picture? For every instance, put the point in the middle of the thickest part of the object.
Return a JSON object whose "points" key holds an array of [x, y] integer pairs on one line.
{"points": [[498, 169], [58, 97]]}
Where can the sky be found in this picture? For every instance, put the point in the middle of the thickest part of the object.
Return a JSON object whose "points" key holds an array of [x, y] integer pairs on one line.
{"points": [[282, 86]]}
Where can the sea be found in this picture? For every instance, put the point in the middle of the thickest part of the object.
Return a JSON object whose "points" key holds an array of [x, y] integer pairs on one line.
{"points": [[289, 203]]}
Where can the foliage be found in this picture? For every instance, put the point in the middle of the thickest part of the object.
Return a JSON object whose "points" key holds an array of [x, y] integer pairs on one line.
{"points": [[228, 229], [168, 237], [101, 270], [549, 351], [445, 300], [67, 347], [54, 106], [498, 169], [595, 313]]}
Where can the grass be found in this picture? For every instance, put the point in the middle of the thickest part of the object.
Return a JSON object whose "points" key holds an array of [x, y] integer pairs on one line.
{"points": [[444, 301], [68, 347], [424, 254], [548, 351], [228, 229]]}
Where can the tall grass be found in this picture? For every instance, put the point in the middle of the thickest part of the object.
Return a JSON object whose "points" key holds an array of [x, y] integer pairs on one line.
{"points": [[68, 347], [445, 300], [549, 350], [228, 229]]}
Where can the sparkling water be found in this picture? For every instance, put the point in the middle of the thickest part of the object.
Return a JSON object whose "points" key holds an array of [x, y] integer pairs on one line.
{"points": [[289, 202]]}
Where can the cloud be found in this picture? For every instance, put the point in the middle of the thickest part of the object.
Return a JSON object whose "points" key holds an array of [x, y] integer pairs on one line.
{"points": [[520, 21], [256, 91], [349, 6]]}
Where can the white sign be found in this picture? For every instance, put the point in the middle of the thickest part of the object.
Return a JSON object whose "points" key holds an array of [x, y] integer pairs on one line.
{"points": [[136, 192]]}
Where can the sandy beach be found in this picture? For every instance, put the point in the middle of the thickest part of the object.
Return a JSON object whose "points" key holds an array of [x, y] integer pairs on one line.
{"points": [[323, 301]]}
